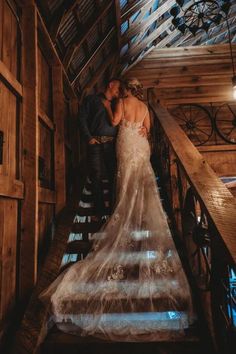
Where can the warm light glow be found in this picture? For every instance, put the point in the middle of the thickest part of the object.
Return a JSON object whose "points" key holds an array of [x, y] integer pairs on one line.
{"points": [[234, 93], [234, 86]]}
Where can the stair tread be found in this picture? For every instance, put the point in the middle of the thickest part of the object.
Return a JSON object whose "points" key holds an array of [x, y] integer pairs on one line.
{"points": [[90, 211], [88, 227], [120, 305], [56, 336]]}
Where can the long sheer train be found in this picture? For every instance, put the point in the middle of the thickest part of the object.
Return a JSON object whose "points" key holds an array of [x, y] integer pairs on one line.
{"points": [[131, 286]]}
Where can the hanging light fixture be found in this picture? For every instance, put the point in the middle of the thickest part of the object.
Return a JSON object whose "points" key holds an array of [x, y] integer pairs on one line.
{"points": [[201, 15]]}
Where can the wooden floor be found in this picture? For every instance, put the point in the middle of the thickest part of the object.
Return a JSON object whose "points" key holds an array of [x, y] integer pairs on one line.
{"points": [[71, 244]]}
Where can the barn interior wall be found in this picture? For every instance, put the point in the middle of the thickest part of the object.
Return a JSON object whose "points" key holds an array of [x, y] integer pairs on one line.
{"points": [[196, 79], [37, 124]]}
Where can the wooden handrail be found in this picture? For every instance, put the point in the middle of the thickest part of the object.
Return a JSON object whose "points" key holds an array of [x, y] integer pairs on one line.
{"points": [[219, 203]]}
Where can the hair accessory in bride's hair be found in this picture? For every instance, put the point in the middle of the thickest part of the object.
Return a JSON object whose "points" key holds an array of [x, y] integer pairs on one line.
{"points": [[135, 86]]}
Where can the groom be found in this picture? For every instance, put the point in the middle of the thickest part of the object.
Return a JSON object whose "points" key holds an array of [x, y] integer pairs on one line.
{"points": [[100, 138]]}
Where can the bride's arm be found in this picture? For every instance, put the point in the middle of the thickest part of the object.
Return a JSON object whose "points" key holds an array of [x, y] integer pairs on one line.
{"points": [[147, 123], [115, 117], [145, 129]]}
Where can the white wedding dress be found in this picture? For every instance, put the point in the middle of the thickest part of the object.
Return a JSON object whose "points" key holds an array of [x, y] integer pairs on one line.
{"points": [[131, 286]]}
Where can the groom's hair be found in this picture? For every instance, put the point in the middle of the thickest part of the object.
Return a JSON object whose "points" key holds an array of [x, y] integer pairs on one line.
{"points": [[112, 79]]}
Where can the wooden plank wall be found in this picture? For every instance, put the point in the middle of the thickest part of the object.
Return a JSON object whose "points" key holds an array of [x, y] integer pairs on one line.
{"points": [[32, 171], [46, 211], [11, 187], [199, 75], [187, 75]]}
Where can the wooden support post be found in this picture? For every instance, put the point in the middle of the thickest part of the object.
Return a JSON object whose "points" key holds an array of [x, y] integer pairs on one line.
{"points": [[59, 143], [76, 149], [29, 220]]}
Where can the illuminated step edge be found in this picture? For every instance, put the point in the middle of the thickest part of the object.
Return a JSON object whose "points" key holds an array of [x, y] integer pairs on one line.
{"points": [[90, 205], [89, 192], [134, 257], [133, 235], [119, 290], [74, 237], [80, 219], [104, 180], [68, 258], [139, 323]]}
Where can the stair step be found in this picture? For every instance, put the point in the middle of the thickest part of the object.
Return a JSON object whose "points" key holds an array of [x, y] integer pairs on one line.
{"points": [[58, 342], [90, 204], [88, 227], [121, 305], [78, 246], [88, 198], [105, 184], [90, 211]]}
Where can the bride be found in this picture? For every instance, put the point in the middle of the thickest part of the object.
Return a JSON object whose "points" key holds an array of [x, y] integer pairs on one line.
{"points": [[131, 286]]}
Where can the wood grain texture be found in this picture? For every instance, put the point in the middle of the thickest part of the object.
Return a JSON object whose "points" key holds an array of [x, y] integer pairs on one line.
{"points": [[10, 79], [32, 330], [8, 261], [44, 83], [59, 142], [9, 29], [187, 75], [29, 218], [218, 201], [12, 188]]}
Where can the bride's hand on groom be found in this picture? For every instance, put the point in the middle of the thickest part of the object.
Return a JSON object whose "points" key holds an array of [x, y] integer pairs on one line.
{"points": [[143, 132], [106, 103]]}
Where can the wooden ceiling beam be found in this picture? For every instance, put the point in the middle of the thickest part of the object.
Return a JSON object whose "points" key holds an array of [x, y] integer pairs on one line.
{"points": [[100, 71], [139, 47], [118, 23], [100, 46], [84, 34], [59, 16], [133, 7], [141, 26], [190, 51], [44, 10]]}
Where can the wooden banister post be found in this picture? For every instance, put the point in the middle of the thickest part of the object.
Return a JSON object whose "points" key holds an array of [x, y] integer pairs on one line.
{"points": [[59, 142], [29, 211]]}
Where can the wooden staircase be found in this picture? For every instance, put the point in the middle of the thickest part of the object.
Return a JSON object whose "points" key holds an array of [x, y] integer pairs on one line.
{"points": [[77, 248], [61, 343]]}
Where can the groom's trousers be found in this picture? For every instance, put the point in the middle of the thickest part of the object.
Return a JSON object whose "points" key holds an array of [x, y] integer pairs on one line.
{"points": [[102, 161]]}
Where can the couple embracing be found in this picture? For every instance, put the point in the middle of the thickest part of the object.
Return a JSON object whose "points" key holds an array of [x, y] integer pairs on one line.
{"points": [[99, 118]]}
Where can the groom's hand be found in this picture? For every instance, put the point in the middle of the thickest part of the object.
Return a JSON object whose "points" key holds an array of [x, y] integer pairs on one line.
{"points": [[143, 132], [93, 141]]}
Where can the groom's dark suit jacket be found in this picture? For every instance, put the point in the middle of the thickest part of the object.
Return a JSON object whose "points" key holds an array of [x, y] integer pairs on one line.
{"points": [[94, 119]]}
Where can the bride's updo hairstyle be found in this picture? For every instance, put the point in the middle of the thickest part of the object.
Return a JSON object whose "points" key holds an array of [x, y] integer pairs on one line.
{"points": [[135, 86]]}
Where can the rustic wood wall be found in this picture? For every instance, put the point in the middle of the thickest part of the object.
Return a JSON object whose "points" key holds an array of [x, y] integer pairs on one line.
{"points": [[187, 75], [11, 187], [37, 126], [199, 75]]}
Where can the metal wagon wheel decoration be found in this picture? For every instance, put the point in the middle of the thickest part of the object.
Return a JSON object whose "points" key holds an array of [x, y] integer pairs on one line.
{"points": [[225, 122], [197, 241], [200, 15], [196, 122]]}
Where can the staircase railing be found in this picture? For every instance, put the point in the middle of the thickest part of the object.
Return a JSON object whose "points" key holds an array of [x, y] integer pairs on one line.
{"points": [[204, 213]]}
